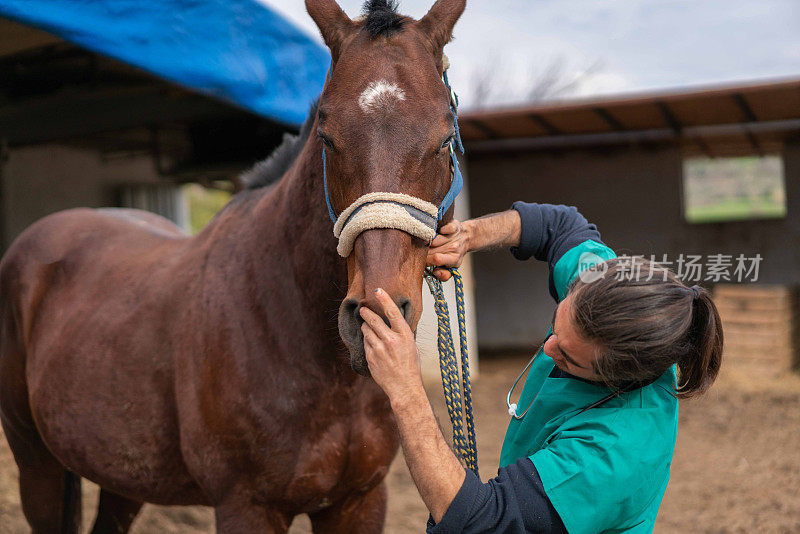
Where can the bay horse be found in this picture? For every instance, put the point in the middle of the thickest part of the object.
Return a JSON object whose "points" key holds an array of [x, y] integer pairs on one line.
{"points": [[209, 370]]}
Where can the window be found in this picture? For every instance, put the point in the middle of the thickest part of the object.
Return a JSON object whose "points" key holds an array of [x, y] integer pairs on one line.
{"points": [[733, 189]]}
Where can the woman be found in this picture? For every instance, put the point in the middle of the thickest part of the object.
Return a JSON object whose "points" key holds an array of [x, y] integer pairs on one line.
{"points": [[591, 438]]}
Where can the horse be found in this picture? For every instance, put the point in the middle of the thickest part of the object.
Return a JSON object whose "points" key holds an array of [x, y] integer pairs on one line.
{"points": [[213, 369]]}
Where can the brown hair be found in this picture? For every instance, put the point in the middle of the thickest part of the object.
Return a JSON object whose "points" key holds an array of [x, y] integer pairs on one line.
{"points": [[644, 319]]}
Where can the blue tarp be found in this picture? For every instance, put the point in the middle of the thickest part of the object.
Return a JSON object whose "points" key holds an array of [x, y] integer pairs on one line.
{"points": [[240, 51]]}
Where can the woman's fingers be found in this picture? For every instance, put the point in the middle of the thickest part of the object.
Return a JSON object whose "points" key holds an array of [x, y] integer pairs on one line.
{"points": [[450, 227], [451, 247], [442, 274], [374, 321], [448, 259], [392, 312], [446, 234], [397, 322], [370, 336], [440, 240], [374, 349], [371, 340]]}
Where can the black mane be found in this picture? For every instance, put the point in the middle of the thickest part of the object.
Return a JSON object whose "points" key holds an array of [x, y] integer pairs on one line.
{"points": [[381, 18], [270, 170]]}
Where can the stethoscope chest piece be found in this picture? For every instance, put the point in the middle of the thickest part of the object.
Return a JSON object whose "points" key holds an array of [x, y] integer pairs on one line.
{"points": [[512, 406]]}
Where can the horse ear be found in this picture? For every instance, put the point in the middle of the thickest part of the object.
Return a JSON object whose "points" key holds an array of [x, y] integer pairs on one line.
{"points": [[439, 22], [333, 23]]}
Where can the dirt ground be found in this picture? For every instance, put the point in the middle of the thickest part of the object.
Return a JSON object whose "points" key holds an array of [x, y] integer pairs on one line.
{"points": [[736, 465]]}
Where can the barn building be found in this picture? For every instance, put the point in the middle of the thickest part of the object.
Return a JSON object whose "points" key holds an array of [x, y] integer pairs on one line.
{"points": [[95, 111], [623, 161]]}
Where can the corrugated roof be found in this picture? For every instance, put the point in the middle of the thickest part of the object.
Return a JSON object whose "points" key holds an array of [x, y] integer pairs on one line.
{"points": [[239, 51], [736, 119]]}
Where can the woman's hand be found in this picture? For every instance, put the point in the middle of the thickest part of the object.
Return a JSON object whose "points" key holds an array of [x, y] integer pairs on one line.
{"points": [[394, 363], [449, 248], [390, 350]]}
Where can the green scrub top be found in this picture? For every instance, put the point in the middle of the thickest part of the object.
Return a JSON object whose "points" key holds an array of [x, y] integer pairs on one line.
{"points": [[606, 469]]}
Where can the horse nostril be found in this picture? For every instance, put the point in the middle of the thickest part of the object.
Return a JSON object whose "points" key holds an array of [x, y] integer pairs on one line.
{"points": [[406, 308], [357, 315], [350, 309]]}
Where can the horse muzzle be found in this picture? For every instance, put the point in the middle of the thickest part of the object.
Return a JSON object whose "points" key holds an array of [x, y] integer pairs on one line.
{"points": [[350, 322], [380, 258]]}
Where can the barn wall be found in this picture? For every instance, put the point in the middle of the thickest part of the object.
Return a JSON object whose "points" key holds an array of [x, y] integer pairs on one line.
{"points": [[791, 167], [634, 197], [777, 240], [43, 179]]}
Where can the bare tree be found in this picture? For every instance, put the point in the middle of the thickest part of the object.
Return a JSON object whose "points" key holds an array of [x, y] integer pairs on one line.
{"points": [[490, 82], [485, 81], [555, 80]]}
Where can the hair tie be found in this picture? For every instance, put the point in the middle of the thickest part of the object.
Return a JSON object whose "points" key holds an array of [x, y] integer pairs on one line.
{"points": [[696, 290]]}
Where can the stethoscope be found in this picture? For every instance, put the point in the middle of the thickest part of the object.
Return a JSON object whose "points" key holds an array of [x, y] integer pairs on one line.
{"points": [[512, 406]]}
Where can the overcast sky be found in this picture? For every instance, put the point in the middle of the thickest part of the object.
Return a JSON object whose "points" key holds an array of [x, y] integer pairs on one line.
{"points": [[627, 45]]}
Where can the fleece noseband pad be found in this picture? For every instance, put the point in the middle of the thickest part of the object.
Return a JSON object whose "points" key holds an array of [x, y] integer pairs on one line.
{"points": [[385, 210]]}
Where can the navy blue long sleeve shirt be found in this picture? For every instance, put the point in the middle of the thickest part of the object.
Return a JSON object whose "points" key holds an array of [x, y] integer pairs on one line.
{"points": [[549, 231], [511, 503], [515, 500]]}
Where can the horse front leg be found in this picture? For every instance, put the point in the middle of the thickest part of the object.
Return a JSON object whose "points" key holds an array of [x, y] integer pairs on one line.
{"points": [[242, 516], [364, 513]]}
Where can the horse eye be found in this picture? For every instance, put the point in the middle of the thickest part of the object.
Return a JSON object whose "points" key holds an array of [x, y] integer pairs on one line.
{"points": [[325, 140], [446, 142]]}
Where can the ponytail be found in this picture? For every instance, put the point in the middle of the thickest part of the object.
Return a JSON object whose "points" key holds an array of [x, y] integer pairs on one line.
{"points": [[699, 367]]}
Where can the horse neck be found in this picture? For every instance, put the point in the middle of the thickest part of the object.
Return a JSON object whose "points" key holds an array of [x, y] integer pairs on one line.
{"points": [[276, 250], [299, 203], [295, 214]]}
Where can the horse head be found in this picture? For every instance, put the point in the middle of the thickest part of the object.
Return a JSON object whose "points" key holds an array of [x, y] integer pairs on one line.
{"points": [[386, 124]]}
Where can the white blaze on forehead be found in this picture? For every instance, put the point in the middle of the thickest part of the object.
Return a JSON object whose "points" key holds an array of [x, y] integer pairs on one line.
{"points": [[379, 94]]}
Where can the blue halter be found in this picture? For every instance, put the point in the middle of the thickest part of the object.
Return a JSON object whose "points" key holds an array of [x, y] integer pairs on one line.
{"points": [[457, 181]]}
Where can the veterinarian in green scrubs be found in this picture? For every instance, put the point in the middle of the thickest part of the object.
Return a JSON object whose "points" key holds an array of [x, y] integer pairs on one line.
{"points": [[591, 437], [623, 448]]}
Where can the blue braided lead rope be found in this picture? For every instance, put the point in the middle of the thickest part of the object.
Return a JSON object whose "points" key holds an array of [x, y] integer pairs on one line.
{"points": [[457, 394], [472, 446]]}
